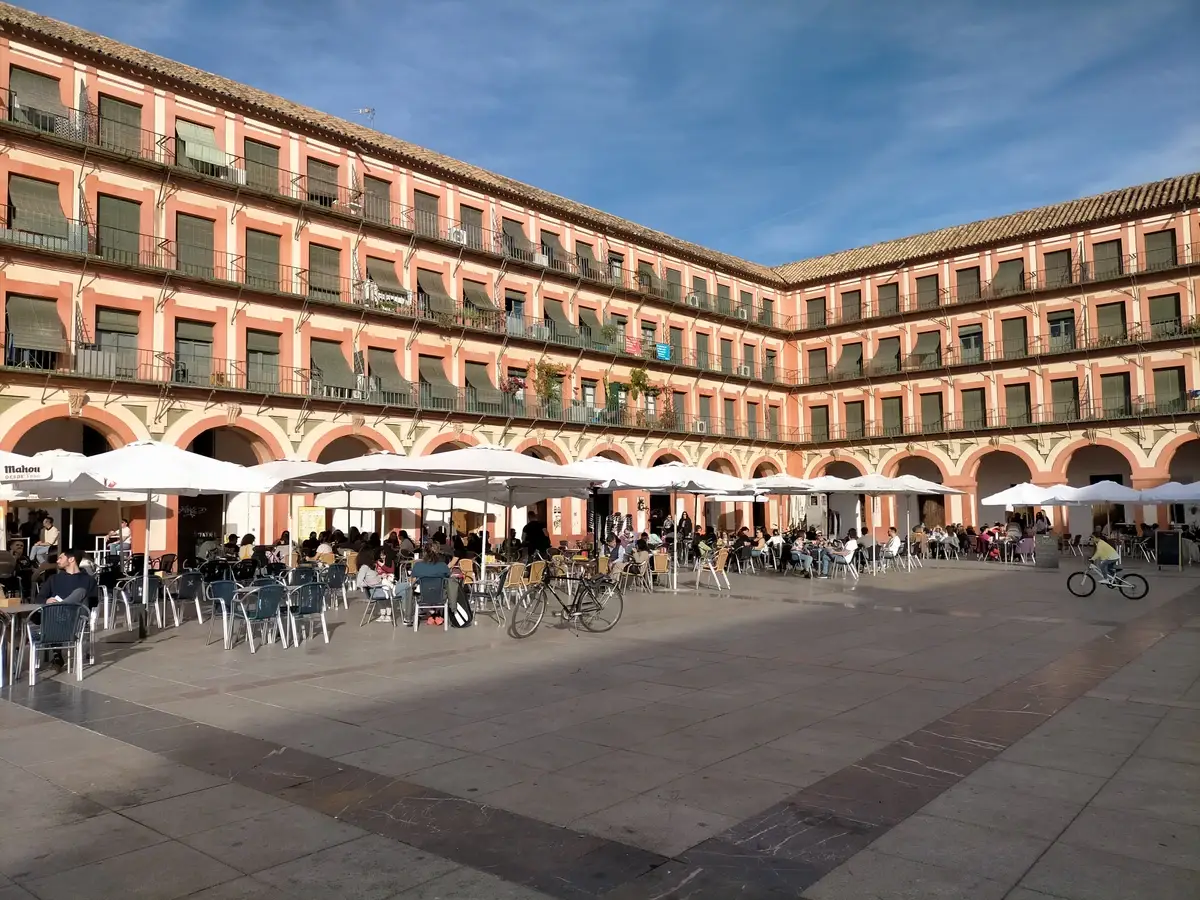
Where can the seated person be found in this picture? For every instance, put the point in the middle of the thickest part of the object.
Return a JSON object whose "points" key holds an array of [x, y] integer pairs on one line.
{"points": [[892, 548], [802, 558], [432, 576], [246, 549], [846, 554], [309, 547], [231, 545], [69, 583], [48, 539], [118, 540]]}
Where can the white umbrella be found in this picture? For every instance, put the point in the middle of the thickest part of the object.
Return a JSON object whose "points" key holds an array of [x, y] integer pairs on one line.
{"points": [[1172, 492], [782, 485], [923, 486], [611, 475], [1025, 494], [1100, 492], [695, 480]]}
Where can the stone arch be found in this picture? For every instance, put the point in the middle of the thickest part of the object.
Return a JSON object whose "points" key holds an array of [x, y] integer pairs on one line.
{"points": [[265, 443], [1088, 462], [443, 442], [667, 455], [541, 448], [346, 446], [970, 464], [118, 430], [323, 438], [724, 463], [892, 465], [820, 466], [759, 468], [1060, 460], [1175, 457], [612, 451], [995, 470]]}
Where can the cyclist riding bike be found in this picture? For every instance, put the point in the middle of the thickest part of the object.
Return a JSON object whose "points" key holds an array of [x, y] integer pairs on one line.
{"points": [[1105, 558]]}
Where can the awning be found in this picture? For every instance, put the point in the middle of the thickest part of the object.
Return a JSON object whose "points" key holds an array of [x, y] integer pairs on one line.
{"points": [[587, 259], [850, 362], [327, 359], [188, 330], [550, 239], [431, 285], [887, 357], [36, 91], [199, 143], [590, 324], [383, 273], [481, 384], [33, 206], [558, 319], [381, 365], [116, 321], [476, 294], [33, 324], [434, 380], [928, 348], [514, 234], [262, 341]]}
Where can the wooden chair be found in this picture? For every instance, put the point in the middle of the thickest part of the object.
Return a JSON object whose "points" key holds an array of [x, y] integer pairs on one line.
{"points": [[660, 566], [715, 566], [467, 567]]}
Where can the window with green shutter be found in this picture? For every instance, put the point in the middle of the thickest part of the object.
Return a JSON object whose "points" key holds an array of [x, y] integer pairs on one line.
{"points": [[819, 419], [262, 166], [893, 416], [119, 126], [726, 356], [1016, 404], [855, 419], [814, 309], [427, 210], [1110, 322], [745, 305], [773, 423], [1114, 392], [932, 416], [1164, 315], [724, 300], [262, 361], [704, 415], [752, 420], [116, 338], [887, 357], [1016, 337], [193, 352], [1062, 330], [1170, 395], [324, 272], [850, 363], [1160, 250], [1009, 278], [471, 220], [929, 293], [970, 343], [377, 201], [766, 312], [967, 284], [974, 408], [768, 372], [702, 360], [1064, 399], [194, 245], [818, 365], [322, 186], [887, 299], [1107, 260], [749, 361], [262, 260], [851, 306], [675, 336], [927, 354], [1056, 269], [36, 99], [118, 222]]}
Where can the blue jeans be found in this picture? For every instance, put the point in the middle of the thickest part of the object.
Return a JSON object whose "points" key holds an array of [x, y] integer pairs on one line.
{"points": [[803, 561], [1108, 568]]}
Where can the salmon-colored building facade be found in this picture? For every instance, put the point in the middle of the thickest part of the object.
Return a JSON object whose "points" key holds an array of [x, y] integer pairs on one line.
{"points": [[195, 261]]}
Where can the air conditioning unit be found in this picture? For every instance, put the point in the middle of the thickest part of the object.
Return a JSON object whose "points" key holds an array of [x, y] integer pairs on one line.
{"points": [[458, 236], [701, 427], [541, 259], [743, 313], [744, 371], [693, 299]]}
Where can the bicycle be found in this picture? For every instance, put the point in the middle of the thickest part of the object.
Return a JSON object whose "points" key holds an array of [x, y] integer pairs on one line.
{"points": [[1082, 584], [596, 605]]}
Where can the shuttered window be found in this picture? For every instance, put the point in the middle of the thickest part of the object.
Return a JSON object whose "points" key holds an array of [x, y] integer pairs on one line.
{"points": [[262, 260], [700, 289], [729, 418], [967, 285], [927, 354], [929, 295], [196, 148], [814, 309], [262, 165], [1169, 392], [1107, 260], [433, 294], [330, 367], [37, 100], [724, 300], [850, 362], [322, 182], [1064, 399], [382, 274], [1164, 315], [193, 352], [818, 365], [851, 306], [475, 298], [32, 326], [819, 417], [769, 363], [481, 393], [1056, 268], [117, 224], [887, 299], [1062, 330], [262, 361], [676, 339], [748, 359], [1016, 404], [893, 416], [377, 200], [1015, 335], [324, 276], [34, 207], [427, 208], [386, 378], [773, 423], [970, 343], [855, 419], [745, 305], [887, 357], [515, 242], [1160, 250], [116, 339], [932, 417], [585, 257], [1110, 321], [194, 245], [119, 126], [974, 408], [702, 351], [1114, 391], [766, 312], [1009, 278], [726, 355]]}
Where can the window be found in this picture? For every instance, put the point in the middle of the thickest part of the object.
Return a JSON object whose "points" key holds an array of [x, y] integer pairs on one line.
{"points": [[726, 356], [678, 408], [648, 281], [322, 187], [1164, 315], [752, 420], [773, 423], [1064, 399], [887, 299], [616, 267], [887, 357], [514, 305], [927, 354], [1056, 267], [1016, 404], [119, 126], [932, 417], [1107, 260], [472, 225], [194, 245], [748, 360], [36, 100], [324, 275], [1160, 250], [193, 352], [1110, 322], [1015, 335], [427, 214], [385, 290], [262, 260], [649, 338], [974, 408], [1062, 330], [676, 337], [851, 306], [700, 289], [745, 305], [196, 148], [34, 209], [766, 312], [585, 257], [855, 419], [523, 376], [819, 419], [1170, 395], [850, 363], [970, 343], [724, 300], [814, 309], [34, 333], [1009, 278], [704, 416], [587, 392], [929, 294], [262, 361], [377, 200], [1114, 391], [768, 372], [893, 416], [967, 284], [702, 351], [262, 165], [117, 224], [117, 343], [481, 395], [818, 365], [437, 391]]}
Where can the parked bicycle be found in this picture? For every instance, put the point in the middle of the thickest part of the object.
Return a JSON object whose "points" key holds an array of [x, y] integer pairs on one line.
{"points": [[595, 603], [1082, 584]]}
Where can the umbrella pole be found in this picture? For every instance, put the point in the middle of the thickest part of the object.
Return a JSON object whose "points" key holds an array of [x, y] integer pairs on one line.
{"points": [[145, 611], [487, 491], [508, 523], [421, 523], [908, 527], [675, 541]]}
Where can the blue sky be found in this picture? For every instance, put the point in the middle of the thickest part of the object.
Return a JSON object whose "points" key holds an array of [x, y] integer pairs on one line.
{"points": [[771, 129]]}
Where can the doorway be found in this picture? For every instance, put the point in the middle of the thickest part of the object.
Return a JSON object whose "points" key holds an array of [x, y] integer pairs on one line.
{"points": [[933, 510]]}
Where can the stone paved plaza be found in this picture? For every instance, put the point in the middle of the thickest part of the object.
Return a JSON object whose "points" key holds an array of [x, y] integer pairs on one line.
{"points": [[964, 731]]}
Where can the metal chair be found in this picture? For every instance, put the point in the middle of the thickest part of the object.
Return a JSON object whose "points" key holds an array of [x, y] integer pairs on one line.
{"points": [[221, 596], [336, 583], [715, 567], [434, 595], [108, 580], [187, 588], [164, 564], [376, 595], [245, 570], [60, 626], [129, 596], [307, 602], [300, 575], [264, 606]]}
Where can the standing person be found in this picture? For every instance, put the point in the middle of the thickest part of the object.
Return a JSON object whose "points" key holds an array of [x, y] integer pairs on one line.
{"points": [[534, 536]]}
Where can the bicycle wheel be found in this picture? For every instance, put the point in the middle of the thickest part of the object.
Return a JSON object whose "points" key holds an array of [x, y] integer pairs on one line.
{"points": [[1135, 587], [527, 612], [1081, 584], [600, 606]]}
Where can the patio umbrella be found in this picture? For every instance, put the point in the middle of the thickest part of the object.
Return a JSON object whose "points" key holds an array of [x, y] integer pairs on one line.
{"points": [[1100, 492], [1172, 492], [781, 485], [1025, 494], [277, 470]]}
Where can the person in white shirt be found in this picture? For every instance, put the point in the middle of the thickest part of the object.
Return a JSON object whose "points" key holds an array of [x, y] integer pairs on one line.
{"points": [[49, 539], [846, 553]]}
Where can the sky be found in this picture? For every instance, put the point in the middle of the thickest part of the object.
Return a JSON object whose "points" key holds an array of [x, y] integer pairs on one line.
{"points": [[774, 130]]}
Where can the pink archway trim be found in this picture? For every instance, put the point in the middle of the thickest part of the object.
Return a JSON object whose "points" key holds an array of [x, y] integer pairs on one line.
{"points": [[892, 467], [442, 440], [1166, 456], [970, 466], [818, 468], [719, 456], [1063, 460], [550, 447], [117, 432], [615, 450], [666, 455], [369, 436], [264, 444], [765, 461]]}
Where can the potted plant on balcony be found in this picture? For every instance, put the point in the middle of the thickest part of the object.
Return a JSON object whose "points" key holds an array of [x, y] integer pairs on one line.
{"points": [[639, 382], [609, 333], [513, 384], [546, 382]]}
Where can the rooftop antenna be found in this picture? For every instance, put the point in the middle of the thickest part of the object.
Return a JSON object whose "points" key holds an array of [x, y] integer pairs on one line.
{"points": [[369, 112]]}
